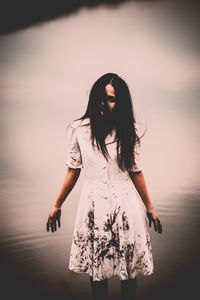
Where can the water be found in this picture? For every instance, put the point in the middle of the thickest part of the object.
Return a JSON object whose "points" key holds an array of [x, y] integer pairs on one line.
{"points": [[34, 263]]}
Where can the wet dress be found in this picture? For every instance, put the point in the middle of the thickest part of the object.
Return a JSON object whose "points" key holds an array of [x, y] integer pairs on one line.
{"points": [[110, 235]]}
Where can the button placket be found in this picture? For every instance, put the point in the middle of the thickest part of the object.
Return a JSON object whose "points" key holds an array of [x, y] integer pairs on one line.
{"points": [[106, 174]]}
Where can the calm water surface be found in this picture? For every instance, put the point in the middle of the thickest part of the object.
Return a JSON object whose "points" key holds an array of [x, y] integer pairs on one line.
{"points": [[34, 263]]}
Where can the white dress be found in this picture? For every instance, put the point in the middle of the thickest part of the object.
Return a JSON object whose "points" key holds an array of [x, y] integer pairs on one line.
{"points": [[110, 235]]}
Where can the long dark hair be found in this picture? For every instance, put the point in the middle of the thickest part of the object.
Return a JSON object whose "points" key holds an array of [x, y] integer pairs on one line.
{"points": [[121, 118]]}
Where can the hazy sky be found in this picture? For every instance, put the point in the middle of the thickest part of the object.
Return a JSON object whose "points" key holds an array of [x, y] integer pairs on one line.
{"points": [[48, 70]]}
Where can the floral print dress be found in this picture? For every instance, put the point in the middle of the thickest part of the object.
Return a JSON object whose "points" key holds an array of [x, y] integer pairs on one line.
{"points": [[110, 235]]}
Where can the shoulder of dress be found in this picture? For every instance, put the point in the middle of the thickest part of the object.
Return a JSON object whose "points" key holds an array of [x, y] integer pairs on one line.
{"points": [[136, 126], [74, 124], [77, 123], [138, 132], [85, 121]]}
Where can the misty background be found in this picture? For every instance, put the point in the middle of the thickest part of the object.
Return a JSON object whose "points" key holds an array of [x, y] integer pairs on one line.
{"points": [[48, 64]]}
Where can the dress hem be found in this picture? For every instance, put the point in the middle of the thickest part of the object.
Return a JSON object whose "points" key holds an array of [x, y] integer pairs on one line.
{"points": [[113, 275]]}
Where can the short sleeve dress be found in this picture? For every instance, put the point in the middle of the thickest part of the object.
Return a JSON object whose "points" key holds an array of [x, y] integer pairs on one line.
{"points": [[110, 236]]}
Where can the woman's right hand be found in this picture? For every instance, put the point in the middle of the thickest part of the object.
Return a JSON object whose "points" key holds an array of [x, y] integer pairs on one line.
{"points": [[54, 216]]}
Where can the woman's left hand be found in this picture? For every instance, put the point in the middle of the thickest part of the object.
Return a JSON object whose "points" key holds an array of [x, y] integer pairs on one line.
{"points": [[151, 214], [54, 217]]}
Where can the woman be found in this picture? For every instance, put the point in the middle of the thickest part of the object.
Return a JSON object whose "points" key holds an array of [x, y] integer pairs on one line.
{"points": [[110, 235]]}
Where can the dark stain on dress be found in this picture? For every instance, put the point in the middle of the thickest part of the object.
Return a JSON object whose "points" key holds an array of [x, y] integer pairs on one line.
{"points": [[125, 222], [114, 231], [95, 247]]}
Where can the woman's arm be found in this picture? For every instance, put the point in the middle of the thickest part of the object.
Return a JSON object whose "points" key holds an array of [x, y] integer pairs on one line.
{"points": [[140, 184], [69, 181]]}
